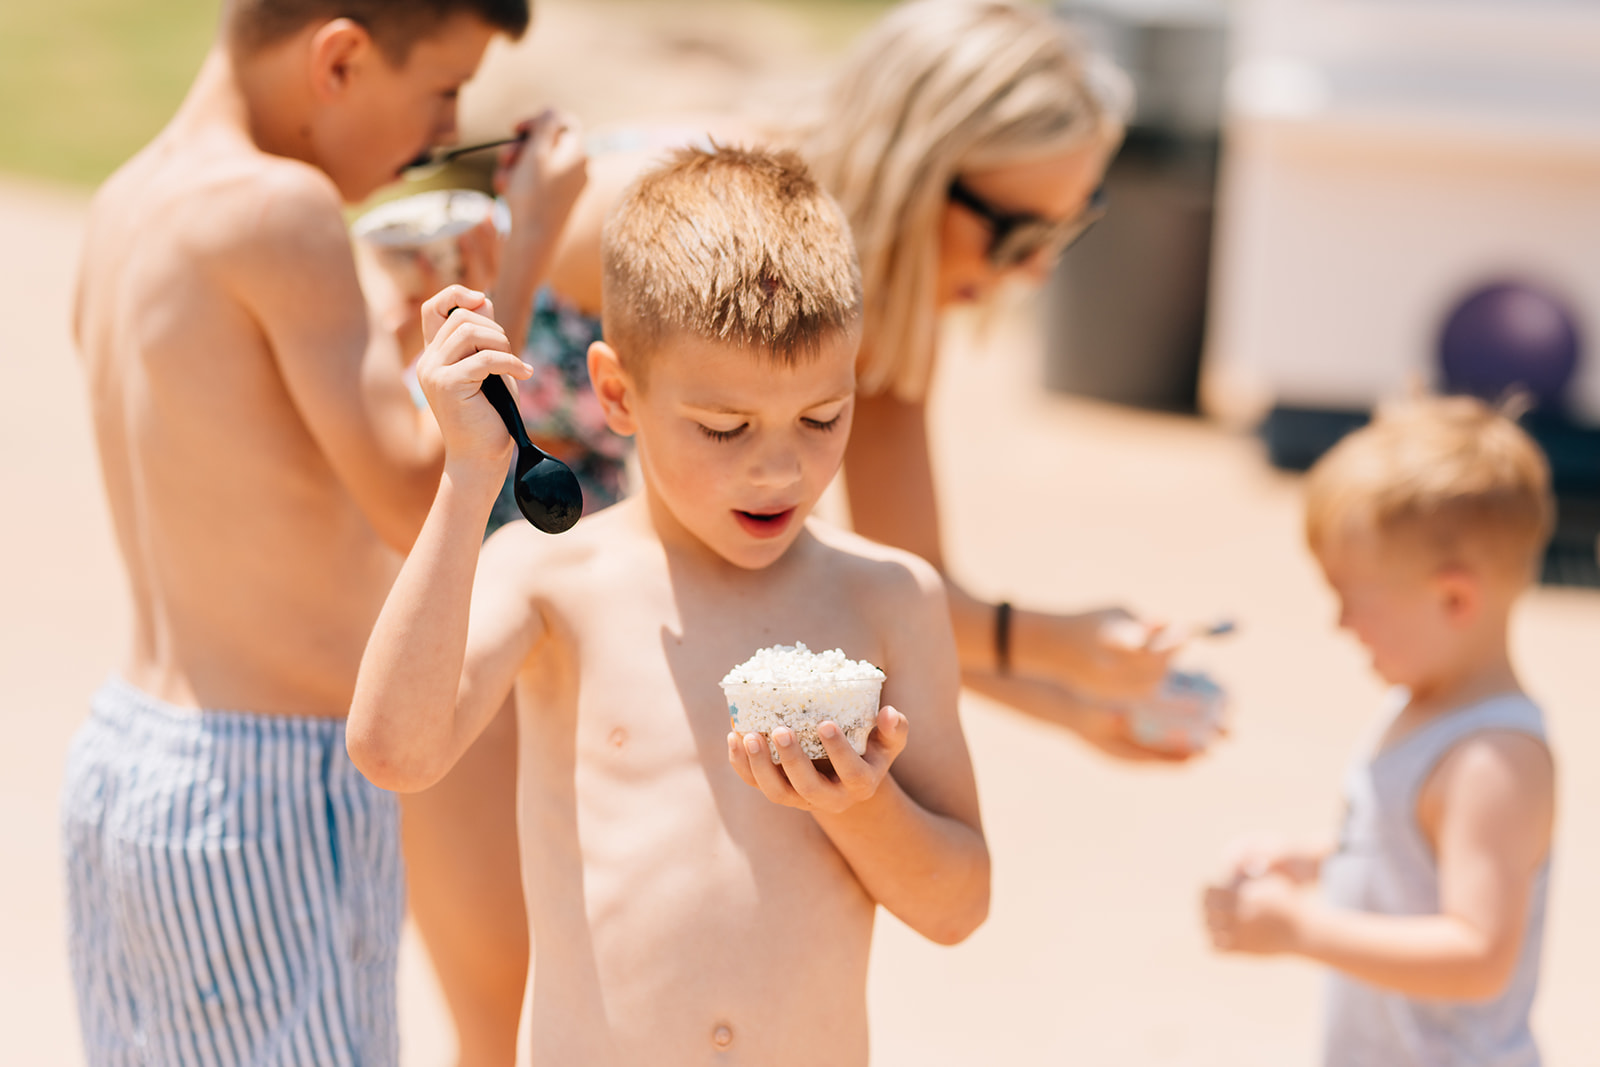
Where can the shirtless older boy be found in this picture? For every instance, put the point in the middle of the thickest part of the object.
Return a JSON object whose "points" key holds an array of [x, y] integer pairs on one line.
{"points": [[686, 896], [234, 883]]}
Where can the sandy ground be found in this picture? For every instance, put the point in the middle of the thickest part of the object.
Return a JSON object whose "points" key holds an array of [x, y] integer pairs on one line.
{"points": [[1094, 953]]}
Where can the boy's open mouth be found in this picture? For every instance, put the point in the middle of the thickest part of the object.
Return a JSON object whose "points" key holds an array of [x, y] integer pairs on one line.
{"points": [[765, 524]]}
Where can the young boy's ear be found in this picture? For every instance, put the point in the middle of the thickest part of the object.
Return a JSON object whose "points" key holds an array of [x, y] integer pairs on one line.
{"points": [[1460, 594], [614, 387], [335, 47]]}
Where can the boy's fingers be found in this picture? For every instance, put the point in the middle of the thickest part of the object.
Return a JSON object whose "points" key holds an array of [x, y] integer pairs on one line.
{"points": [[856, 775], [803, 776], [436, 309], [894, 729], [468, 339], [740, 759], [770, 778], [485, 363]]}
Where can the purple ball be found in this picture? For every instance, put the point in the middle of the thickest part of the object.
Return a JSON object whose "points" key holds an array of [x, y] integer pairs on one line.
{"points": [[1510, 335]]}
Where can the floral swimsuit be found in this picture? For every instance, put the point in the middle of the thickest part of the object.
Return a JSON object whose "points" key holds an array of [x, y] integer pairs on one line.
{"points": [[558, 404]]}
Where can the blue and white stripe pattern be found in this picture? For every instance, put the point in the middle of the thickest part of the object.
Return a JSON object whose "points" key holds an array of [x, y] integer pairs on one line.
{"points": [[235, 890]]}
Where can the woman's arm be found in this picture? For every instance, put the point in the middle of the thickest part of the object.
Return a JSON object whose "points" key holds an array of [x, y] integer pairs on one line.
{"points": [[890, 485]]}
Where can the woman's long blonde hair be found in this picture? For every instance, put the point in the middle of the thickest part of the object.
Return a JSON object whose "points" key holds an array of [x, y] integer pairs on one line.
{"points": [[935, 88]]}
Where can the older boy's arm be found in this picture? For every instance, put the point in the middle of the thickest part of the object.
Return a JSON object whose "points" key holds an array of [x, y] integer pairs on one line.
{"points": [[1495, 811], [540, 178], [295, 274], [917, 843]]}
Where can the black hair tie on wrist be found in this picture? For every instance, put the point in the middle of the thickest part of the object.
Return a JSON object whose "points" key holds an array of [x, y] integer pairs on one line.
{"points": [[1002, 637]]}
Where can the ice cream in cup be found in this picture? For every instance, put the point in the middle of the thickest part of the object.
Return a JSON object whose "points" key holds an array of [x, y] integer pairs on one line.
{"points": [[790, 685], [1185, 714], [425, 226]]}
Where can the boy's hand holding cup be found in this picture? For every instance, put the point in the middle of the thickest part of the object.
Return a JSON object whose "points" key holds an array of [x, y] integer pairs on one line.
{"points": [[797, 781], [789, 707]]}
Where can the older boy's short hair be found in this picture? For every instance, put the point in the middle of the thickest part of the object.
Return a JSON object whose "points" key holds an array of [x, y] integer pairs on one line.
{"points": [[395, 25], [734, 245], [1454, 473]]}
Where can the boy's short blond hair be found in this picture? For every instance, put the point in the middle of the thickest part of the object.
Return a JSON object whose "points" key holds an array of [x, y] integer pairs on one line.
{"points": [[1452, 473], [735, 245]]}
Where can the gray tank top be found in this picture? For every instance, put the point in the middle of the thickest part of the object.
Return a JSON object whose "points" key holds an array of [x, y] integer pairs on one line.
{"points": [[1384, 864]]}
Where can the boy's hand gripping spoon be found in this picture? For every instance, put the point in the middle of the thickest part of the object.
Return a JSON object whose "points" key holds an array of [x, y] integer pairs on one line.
{"points": [[546, 489]]}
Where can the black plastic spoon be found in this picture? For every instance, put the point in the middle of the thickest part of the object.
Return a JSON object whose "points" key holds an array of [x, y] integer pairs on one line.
{"points": [[433, 159], [547, 491]]}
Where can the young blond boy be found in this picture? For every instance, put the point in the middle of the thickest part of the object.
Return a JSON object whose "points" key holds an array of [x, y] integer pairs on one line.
{"points": [[234, 884], [687, 897], [1428, 525]]}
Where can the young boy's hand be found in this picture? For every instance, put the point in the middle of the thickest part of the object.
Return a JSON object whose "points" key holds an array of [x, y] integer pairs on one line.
{"points": [[541, 175], [1261, 916], [797, 782], [1266, 853], [463, 345]]}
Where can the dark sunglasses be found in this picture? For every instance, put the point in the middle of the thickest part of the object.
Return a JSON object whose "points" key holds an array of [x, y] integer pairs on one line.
{"points": [[1016, 237]]}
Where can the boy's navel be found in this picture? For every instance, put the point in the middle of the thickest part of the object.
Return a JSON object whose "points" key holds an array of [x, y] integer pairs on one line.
{"points": [[722, 1036]]}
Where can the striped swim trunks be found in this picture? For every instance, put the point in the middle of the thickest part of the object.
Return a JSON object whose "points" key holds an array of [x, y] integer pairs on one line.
{"points": [[235, 889]]}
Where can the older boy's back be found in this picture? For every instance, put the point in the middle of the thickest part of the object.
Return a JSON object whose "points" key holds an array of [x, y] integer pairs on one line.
{"points": [[254, 571]]}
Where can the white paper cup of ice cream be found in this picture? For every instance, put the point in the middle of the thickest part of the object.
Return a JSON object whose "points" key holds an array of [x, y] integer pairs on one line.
{"points": [[1185, 715], [789, 685], [425, 226]]}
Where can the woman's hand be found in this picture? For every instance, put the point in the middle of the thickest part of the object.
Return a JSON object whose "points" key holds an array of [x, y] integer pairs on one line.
{"points": [[1108, 654]]}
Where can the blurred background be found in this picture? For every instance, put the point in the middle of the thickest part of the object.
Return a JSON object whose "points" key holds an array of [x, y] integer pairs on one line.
{"points": [[1321, 204]]}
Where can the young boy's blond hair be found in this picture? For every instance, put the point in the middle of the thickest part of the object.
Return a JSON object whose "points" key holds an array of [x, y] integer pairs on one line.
{"points": [[1452, 474], [732, 245]]}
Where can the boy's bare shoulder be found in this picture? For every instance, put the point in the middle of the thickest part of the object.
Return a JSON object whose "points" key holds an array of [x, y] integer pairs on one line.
{"points": [[878, 570], [605, 545], [233, 196], [278, 214]]}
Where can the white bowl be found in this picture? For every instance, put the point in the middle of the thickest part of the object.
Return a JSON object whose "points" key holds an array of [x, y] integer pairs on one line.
{"points": [[1185, 715], [427, 225], [761, 707]]}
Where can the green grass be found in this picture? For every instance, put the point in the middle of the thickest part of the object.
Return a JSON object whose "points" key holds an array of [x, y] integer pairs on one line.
{"points": [[85, 83]]}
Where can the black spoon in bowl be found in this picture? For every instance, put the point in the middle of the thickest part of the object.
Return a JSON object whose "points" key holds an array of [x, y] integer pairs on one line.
{"points": [[546, 490], [434, 159]]}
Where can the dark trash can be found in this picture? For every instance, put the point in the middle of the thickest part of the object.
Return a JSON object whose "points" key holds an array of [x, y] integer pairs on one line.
{"points": [[1125, 310]]}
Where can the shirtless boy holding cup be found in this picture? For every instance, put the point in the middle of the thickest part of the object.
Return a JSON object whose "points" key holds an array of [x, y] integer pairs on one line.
{"points": [[686, 895]]}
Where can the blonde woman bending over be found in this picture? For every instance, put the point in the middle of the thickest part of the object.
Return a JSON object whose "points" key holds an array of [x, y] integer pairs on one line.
{"points": [[966, 141]]}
